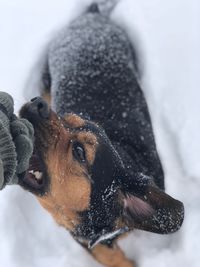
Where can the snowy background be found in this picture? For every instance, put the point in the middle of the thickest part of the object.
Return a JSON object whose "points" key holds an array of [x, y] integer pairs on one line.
{"points": [[169, 41]]}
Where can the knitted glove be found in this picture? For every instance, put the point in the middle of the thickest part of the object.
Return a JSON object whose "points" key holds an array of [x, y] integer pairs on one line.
{"points": [[8, 156], [16, 142], [23, 134]]}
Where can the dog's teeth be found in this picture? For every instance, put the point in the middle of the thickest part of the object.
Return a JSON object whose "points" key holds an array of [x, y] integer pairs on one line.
{"points": [[38, 175]]}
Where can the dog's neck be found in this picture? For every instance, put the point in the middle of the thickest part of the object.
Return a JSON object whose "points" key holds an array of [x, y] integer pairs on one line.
{"points": [[137, 151]]}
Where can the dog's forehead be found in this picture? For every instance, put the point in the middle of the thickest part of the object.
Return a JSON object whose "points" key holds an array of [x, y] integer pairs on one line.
{"points": [[73, 120], [78, 124]]}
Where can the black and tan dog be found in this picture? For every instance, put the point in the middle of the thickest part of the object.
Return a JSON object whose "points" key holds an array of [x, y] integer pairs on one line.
{"points": [[95, 167]]}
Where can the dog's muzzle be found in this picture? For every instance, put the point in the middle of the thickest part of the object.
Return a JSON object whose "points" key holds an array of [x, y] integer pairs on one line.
{"points": [[37, 112], [38, 108]]}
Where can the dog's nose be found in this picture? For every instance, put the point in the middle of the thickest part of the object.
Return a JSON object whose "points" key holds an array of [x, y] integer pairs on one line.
{"points": [[38, 107]]}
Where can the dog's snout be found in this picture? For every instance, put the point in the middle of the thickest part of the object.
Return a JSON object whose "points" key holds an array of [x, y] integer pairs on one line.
{"points": [[38, 107]]}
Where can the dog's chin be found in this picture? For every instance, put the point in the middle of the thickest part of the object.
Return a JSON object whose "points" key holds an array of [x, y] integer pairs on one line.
{"points": [[35, 179]]}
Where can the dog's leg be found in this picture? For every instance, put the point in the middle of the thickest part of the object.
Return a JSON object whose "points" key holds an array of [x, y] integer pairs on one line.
{"points": [[111, 256]]}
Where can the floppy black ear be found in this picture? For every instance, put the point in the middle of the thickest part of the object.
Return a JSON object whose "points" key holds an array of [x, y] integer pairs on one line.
{"points": [[146, 207]]}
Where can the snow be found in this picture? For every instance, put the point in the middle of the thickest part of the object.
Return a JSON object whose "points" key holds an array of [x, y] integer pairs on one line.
{"points": [[169, 45]]}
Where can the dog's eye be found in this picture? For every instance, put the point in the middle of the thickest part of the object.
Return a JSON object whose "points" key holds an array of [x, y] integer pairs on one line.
{"points": [[78, 152]]}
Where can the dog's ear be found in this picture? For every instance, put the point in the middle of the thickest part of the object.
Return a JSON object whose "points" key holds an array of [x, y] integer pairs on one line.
{"points": [[146, 207]]}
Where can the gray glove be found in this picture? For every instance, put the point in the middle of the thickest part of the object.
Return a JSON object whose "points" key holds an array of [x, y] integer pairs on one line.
{"points": [[16, 142], [23, 134]]}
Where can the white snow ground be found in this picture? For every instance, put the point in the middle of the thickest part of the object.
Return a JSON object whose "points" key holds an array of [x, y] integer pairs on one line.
{"points": [[169, 42]]}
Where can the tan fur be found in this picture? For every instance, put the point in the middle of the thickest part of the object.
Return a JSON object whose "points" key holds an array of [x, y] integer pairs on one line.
{"points": [[91, 143], [111, 257], [74, 121]]}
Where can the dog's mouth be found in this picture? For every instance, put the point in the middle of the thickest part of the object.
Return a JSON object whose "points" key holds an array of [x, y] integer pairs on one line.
{"points": [[34, 176], [35, 179]]}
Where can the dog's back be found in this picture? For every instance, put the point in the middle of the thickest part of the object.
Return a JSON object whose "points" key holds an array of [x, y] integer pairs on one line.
{"points": [[92, 68]]}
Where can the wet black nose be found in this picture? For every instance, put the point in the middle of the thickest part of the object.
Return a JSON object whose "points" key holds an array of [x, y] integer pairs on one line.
{"points": [[39, 108]]}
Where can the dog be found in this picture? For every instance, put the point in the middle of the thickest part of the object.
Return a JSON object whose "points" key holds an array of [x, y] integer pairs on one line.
{"points": [[95, 166]]}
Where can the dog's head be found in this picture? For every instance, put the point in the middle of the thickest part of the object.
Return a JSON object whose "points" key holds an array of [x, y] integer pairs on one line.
{"points": [[79, 177]]}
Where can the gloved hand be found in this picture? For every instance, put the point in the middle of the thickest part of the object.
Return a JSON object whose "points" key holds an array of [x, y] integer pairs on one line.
{"points": [[22, 134], [16, 142]]}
